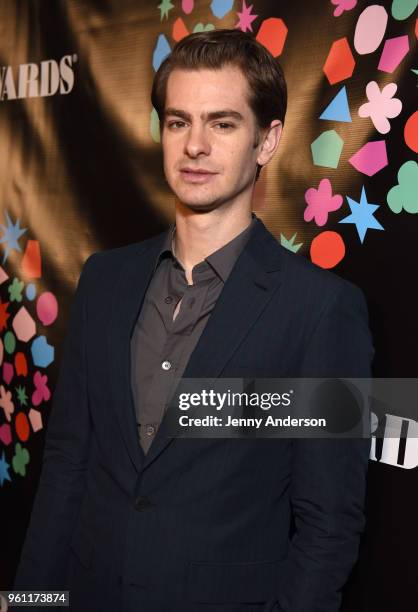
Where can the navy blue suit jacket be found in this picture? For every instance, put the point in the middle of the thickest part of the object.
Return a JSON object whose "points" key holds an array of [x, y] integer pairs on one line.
{"points": [[214, 525]]}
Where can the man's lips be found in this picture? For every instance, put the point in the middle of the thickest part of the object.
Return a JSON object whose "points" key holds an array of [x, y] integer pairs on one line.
{"points": [[196, 171], [196, 176]]}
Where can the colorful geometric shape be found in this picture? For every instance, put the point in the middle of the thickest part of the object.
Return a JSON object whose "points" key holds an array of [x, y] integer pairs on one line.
{"points": [[35, 418], [404, 195], [179, 30], [22, 426], [402, 9], [47, 308], [246, 17], [21, 365], [4, 470], [8, 372], [31, 264], [42, 352], [9, 342], [290, 244], [362, 215], [20, 459], [3, 275], [320, 202], [343, 5], [5, 434], [165, 7], [411, 132], [326, 149], [187, 6], [393, 53], [272, 34], [161, 51], [1, 351], [340, 62], [381, 105], [221, 7], [11, 234], [370, 158], [23, 325], [327, 249], [199, 27], [370, 29], [31, 291], [338, 109], [42, 392]]}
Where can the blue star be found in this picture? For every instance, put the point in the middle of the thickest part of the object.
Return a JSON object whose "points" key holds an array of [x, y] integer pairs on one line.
{"points": [[11, 235], [362, 215], [4, 470]]}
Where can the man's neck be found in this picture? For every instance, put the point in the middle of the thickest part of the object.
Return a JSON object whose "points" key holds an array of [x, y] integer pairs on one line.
{"points": [[198, 235]]}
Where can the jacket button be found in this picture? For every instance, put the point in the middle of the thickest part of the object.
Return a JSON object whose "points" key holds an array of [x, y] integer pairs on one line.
{"points": [[142, 503]]}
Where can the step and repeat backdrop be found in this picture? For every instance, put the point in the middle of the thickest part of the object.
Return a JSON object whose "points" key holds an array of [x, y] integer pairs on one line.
{"points": [[81, 171]]}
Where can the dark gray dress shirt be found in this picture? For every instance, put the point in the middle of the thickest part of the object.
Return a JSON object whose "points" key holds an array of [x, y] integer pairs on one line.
{"points": [[169, 325]]}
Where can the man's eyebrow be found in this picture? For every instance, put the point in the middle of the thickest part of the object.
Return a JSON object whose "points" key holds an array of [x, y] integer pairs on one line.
{"points": [[220, 114]]}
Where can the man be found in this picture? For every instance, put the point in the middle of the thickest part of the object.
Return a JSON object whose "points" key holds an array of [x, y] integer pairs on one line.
{"points": [[129, 518]]}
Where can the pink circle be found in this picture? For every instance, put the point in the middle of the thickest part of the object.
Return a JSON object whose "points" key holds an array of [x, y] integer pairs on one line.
{"points": [[47, 308]]}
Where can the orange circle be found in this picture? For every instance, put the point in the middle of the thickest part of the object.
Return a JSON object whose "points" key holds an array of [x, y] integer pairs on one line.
{"points": [[411, 132], [22, 426], [327, 249]]}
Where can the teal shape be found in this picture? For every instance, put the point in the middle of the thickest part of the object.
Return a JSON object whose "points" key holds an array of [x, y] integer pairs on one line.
{"points": [[404, 195], [326, 149], [402, 9], [199, 27], [155, 126], [9, 342], [289, 244], [20, 459], [338, 109], [161, 51], [42, 352], [221, 7]]}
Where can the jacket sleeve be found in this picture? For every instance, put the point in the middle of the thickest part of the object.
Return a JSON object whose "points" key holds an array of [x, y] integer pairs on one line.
{"points": [[328, 479], [44, 556]]}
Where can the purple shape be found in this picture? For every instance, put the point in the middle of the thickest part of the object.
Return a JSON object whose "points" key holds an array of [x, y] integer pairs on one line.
{"points": [[8, 372], [371, 158], [393, 53]]}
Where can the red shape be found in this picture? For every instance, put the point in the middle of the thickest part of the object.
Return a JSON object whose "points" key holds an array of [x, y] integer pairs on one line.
{"points": [[21, 365], [340, 62], [179, 29], [327, 249], [31, 260], [272, 34], [4, 315], [411, 132], [416, 28], [22, 426]]}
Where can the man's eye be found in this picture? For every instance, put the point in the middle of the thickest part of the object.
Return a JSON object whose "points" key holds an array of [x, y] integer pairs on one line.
{"points": [[176, 124], [225, 126]]}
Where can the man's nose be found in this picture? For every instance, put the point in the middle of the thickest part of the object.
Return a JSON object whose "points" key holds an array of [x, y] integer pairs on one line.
{"points": [[197, 141]]}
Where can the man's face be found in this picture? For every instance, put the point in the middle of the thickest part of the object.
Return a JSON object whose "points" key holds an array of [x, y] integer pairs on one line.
{"points": [[208, 125]]}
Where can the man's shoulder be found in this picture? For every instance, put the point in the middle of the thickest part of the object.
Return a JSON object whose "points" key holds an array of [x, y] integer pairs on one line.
{"points": [[302, 277], [111, 260]]}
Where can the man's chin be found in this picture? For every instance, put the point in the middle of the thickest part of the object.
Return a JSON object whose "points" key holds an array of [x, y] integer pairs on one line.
{"points": [[200, 207]]}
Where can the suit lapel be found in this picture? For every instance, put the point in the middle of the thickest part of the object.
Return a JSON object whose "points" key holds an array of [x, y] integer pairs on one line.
{"points": [[128, 294], [252, 283]]}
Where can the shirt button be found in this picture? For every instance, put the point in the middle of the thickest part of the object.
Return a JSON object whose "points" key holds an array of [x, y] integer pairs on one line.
{"points": [[166, 365], [150, 430], [168, 299]]}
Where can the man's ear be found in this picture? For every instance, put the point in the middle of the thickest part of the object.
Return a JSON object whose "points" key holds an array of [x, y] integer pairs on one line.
{"points": [[270, 139]]}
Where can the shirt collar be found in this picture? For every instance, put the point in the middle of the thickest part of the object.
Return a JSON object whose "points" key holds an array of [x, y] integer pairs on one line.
{"points": [[221, 260]]}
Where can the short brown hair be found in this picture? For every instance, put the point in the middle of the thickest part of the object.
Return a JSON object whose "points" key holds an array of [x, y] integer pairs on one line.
{"points": [[217, 48]]}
